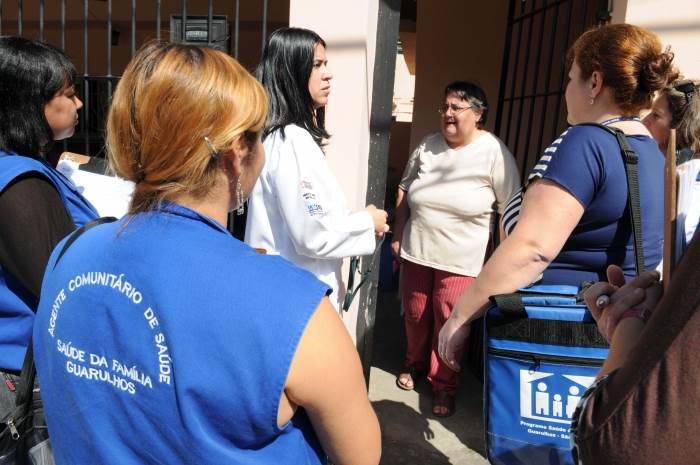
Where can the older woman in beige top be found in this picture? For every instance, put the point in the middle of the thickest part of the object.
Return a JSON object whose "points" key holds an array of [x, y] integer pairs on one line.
{"points": [[453, 184]]}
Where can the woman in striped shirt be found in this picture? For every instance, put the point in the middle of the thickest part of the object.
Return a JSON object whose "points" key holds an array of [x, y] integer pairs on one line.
{"points": [[572, 222]]}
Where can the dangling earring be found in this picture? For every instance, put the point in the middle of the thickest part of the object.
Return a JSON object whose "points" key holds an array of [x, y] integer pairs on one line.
{"points": [[240, 209], [592, 100]]}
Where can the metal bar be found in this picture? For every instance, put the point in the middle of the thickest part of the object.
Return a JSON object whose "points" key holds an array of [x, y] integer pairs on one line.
{"points": [[603, 12], [64, 142], [133, 28], [231, 225], [380, 130], [584, 23], [95, 78], [516, 146], [109, 37], [86, 82], [555, 121], [158, 2], [20, 11], [41, 20], [537, 11], [538, 60], [585, 16], [264, 26], [548, 79], [535, 95], [109, 49], [512, 86], [210, 14], [237, 28], [504, 68], [63, 24], [184, 21]]}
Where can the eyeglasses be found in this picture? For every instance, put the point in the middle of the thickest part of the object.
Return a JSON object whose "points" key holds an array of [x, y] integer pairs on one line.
{"points": [[456, 110]]}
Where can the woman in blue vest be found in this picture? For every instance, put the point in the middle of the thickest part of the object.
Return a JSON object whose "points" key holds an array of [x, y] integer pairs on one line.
{"points": [[38, 206], [162, 339]]}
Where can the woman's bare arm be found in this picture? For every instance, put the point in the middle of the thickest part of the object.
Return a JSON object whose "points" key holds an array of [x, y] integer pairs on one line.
{"points": [[326, 379], [549, 214]]}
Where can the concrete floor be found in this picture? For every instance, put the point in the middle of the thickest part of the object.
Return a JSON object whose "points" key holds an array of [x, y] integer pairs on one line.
{"points": [[410, 433]]}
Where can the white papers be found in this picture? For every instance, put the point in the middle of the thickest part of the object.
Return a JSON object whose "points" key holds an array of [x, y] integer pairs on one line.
{"points": [[108, 194]]}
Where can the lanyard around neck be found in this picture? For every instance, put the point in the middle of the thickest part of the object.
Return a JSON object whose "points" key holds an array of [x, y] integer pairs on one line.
{"points": [[354, 266], [617, 119]]}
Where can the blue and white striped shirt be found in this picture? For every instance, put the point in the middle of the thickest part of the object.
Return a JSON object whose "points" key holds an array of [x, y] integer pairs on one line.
{"points": [[512, 210]]}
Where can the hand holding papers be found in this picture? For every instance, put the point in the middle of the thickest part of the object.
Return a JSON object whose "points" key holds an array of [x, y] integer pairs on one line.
{"points": [[109, 194]]}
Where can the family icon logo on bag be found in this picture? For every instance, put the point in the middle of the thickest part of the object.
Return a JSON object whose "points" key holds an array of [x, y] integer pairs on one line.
{"points": [[551, 397]]}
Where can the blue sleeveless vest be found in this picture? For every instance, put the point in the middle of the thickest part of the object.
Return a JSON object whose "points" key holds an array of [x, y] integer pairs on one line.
{"points": [[16, 304], [162, 339]]}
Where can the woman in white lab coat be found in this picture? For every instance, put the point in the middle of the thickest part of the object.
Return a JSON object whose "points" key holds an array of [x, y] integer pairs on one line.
{"points": [[297, 208]]}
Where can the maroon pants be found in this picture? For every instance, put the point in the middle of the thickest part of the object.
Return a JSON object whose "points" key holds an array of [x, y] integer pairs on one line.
{"points": [[428, 298]]}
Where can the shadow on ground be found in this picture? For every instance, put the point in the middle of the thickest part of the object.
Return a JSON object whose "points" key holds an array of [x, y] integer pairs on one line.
{"points": [[396, 450], [407, 432]]}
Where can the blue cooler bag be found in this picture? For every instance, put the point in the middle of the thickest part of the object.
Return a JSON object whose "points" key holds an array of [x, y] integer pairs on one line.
{"points": [[543, 350]]}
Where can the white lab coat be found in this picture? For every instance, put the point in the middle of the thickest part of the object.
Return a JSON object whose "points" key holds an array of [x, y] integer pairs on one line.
{"points": [[298, 210]]}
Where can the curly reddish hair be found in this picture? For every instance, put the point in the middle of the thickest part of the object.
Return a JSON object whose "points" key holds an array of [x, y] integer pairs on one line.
{"points": [[631, 59]]}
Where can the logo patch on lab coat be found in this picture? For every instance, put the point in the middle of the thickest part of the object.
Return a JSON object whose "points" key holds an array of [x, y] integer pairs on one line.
{"points": [[312, 206]]}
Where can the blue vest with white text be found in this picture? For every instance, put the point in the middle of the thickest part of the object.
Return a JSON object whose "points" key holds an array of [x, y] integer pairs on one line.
{"points": [[162, 339], [16, 303]]}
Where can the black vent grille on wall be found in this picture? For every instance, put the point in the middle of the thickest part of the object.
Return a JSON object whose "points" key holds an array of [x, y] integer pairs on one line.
{"points": [[197, 31]]}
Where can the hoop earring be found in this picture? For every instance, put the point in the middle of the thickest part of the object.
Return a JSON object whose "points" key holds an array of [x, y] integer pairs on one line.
{"points": [[592, 100], [240, 209]]}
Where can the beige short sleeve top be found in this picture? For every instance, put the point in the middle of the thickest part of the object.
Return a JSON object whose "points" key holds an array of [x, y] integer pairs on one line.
{"points": [[452, 196]]}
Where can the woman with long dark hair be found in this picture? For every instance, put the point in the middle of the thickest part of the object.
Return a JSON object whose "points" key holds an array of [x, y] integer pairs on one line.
{"points": [[297, 209], [38, 206]]}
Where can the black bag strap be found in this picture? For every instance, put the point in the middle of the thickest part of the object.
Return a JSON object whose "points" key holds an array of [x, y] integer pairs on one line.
{"points": [[24, 391], [631, 161], [28, 374], [78, 232], [510, 304]]}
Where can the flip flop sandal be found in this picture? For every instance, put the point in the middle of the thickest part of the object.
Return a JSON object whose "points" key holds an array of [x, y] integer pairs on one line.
{"points": [[407, 379], [446, 400]]}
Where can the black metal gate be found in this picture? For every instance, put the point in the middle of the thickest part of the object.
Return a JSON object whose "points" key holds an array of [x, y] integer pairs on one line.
{"points": [[531, 112], [101, 36]]}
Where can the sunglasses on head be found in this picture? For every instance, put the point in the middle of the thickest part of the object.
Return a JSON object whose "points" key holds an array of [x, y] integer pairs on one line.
{"points": [[687, 89]]}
